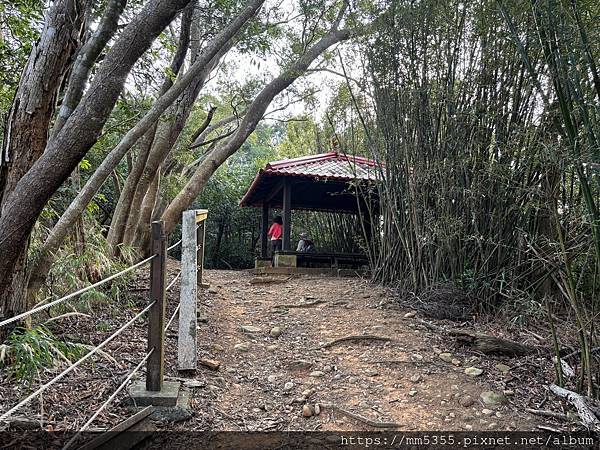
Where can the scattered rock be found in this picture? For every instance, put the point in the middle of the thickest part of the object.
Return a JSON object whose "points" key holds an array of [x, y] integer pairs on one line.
{"points": [[272, 347], [242, 347], [503, 368], [473, 371], [437, 350], [194, 384], [487, 412], [212, 364], [307, 411], [417, 357], [212, 291], [317, 409], [456, 362], [412, 392], [415, 378], [307, 393], [466, 401], [288, 386], [408, 315], [271, 378], [492, 398], [508, 392], [446, 357], [371, 373], [300, 364], [317, 374], [250, 329], [275, 332]]}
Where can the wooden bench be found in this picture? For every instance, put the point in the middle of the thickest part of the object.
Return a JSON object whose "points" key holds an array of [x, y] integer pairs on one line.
{"points": [[333, 260]]}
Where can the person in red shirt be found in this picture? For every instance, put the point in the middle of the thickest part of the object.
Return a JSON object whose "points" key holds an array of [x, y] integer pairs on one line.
{"points": [[275, 232]]}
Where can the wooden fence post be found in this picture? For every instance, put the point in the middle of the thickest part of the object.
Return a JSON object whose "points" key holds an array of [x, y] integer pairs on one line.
{"points": [[156, 316], [186, 345]]}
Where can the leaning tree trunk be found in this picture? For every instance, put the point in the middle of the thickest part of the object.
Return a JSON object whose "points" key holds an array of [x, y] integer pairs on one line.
{"points": [[254, 114], [26, 135], [22, 205], [110, 162]]}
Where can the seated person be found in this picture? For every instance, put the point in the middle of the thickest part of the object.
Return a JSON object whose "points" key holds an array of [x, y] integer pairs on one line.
{"points": [[305, 245]]}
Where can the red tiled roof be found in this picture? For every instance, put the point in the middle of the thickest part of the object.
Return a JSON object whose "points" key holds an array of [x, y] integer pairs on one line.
{"points": [[326, 165]]}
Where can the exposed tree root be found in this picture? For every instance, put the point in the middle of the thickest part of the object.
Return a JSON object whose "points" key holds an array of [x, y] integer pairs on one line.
{"points": [[372, 423], [360, 337], [301, 305], [546, 413], [581, 403]]}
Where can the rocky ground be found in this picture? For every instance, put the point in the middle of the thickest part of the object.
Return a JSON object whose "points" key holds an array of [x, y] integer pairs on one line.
{"points": [[282, 369], [282, 365]]}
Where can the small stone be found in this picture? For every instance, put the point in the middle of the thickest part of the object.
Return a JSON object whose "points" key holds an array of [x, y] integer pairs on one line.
{"points": [[468, 427], [250, 329], [473, 371], [194, 384], [299, 364], [456, 362], [275, 332], [288, 386], [212, 291], [307, 411], [446, 357], [503, 368], [271, 378], [437, 350], [230, 370], [371, 373], [317, 409], [412, 392], [499, 414], [415, 378], [243, 347], [487, 412], [508, 392], [417, 357], [466, 401], [327, 369], [272, 347], [492, 398], [317, 374], [408, 315]]}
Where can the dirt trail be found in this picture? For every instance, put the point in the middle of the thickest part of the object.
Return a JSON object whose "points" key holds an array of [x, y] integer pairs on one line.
{"points": [[265, 381]]}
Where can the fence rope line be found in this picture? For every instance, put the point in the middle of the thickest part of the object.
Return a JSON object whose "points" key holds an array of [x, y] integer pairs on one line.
{"points": [[172, 317], [74, 365], [174, 245], [173, 281], [109, 400], [75, 294]]}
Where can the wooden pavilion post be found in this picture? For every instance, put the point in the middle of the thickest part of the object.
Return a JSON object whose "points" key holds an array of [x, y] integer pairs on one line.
{"points": [[264, 228], [287, 214]]}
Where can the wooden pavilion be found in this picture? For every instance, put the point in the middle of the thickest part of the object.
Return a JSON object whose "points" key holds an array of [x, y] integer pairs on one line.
{"points": [[331, 182]]}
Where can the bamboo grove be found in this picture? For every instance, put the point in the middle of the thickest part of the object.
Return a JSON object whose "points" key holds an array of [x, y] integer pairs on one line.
{"points": [[485, 117]]}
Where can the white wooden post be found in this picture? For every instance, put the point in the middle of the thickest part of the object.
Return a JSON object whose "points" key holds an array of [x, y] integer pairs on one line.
{"points": [[186, 347]]}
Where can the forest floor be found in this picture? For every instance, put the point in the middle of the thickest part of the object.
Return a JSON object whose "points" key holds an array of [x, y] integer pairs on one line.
{"points": [[274, 341]]}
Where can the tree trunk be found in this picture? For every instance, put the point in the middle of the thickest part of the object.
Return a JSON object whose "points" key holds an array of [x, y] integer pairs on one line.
{"points": [[22, 206], [78, 205], [26, 136], [253, 115], [86, 58], [124, 204]]}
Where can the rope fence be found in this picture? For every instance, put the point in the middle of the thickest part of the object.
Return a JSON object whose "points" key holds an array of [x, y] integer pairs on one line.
{"points": [[153, 358], [76, 364]]}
